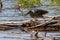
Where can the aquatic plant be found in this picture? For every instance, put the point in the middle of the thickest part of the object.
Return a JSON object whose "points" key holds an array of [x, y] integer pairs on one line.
{"points": [[31, 3]]}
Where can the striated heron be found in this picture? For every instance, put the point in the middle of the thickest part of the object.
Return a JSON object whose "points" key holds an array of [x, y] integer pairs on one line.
{"points": [[37, 13]]}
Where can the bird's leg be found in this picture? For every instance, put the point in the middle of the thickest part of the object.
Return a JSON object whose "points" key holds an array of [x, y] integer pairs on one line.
{"points": [[45, 34], [43, 17]]}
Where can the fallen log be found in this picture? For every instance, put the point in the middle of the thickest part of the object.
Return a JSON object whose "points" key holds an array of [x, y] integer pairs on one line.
{"points": [[42, 24], [56, 24], [11, 24], [20, 22], [3, 28], [36, 27]]}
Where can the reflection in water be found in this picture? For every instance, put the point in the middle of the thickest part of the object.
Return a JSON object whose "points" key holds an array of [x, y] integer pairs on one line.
{"points": [[1, 5]]}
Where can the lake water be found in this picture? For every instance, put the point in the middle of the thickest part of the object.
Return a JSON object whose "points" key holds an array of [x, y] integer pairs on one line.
{"points": [[11, 13]]}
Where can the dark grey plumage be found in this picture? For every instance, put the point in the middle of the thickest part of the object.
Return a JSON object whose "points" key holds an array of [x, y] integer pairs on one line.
{"points": [[37, 13]]}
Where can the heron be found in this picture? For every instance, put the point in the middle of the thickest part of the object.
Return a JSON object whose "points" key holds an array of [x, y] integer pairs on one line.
{"points": [[37, 13]]}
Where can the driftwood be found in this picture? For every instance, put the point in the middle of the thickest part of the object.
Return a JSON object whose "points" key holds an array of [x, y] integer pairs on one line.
{"points": [[42, 24], [47, 27], [36, 27], [6, 25], [3, 27], [56, 24], [28, 20]]}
